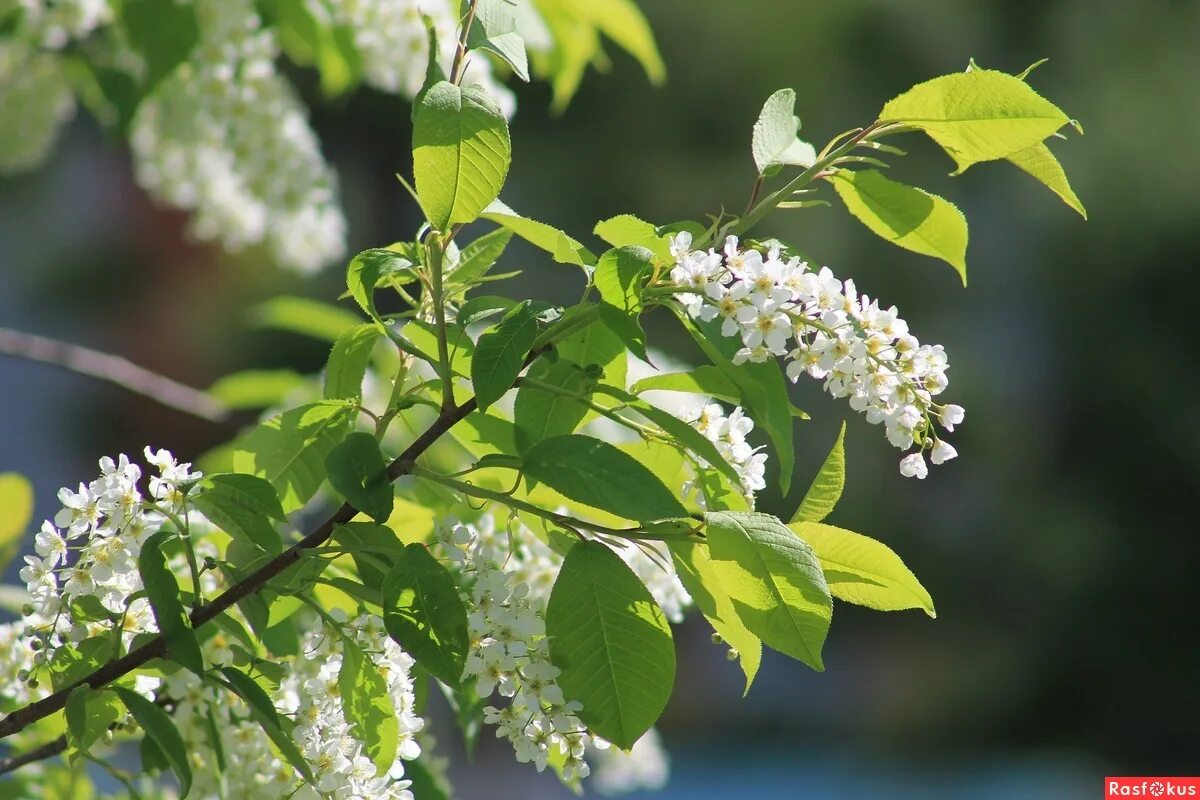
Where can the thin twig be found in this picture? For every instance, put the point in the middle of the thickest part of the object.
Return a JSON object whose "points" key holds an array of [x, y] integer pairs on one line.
{"points": [[48, 750], [115, 370], [460, 55]]}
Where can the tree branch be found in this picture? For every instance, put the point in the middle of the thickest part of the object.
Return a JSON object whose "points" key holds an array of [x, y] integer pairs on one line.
{"points": [[156, 647], [48, 750], [115, 370]]}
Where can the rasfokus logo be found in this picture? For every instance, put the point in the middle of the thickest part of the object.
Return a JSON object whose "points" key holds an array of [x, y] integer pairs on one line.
{"points": [[1151, 787]]}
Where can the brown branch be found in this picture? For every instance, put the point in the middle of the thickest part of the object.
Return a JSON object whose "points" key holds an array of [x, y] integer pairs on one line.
{"points": [[460, 54], [113, 369], [156, 647], [48, 750]]}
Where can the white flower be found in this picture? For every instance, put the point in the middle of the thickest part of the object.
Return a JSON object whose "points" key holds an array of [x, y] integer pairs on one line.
{"points": [[860, 350], [942, 452], [913, 466]]}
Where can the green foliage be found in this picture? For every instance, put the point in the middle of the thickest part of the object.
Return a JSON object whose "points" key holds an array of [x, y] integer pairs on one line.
{"points": [[161, 731], [761, 387], [500, 353], [162, 590], [980, 115], [163, 34], [477, 258], [540, 414], [16, 509], [424, 614], [706, 380], [1039, 162], [775, 142], [243, 506], [863, 571], [619, 277], [627, 230], [310, 40], [289, 449], [826, 488], [73, 663], [367, 706], [563, 248], [262, 710], [495, 30], [358, 471], [461, 153], [906, 216], [773, 580], [705, 584], [304, 316], [372, 268], [90, 714], [611, 642], [256, 388], [576, 30], [597, 474]]}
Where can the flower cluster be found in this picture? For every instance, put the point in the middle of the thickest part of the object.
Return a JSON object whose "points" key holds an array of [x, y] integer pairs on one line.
{"points": [[310, 694], [728, 433], [226, 138], [507, 576], [84, 569], [392, 40], [823, 328]]}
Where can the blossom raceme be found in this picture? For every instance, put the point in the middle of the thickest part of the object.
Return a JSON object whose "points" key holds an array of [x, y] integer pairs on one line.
{"points": [[824, 328]]}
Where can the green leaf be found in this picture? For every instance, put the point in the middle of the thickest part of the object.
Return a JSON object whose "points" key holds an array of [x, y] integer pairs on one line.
{"points": [[160, 730], [243, 506], [706, 379], [289, 450], [90, 714], [761, 386], [821, 498], [1039, 162], [774, 142], [372, 564], [619, 278], [72, 663], [304, 316], [359, 472], [310, 39], [424, 614], [264, 713], [906, 216], [495, 30], [256, 388], [368, 270], [626, 229], [367, 706], [862, 570], [599, 346], [347, 364], [559, 245], [702, 581], [16, 509], [482, 307], [500, 353], [611, 642], [539, 414], [461, 153], [162, 590], [163, 34], [597, 474], [682, 433], [774, 581], [575, 29], [477, 258], [981, 115]]}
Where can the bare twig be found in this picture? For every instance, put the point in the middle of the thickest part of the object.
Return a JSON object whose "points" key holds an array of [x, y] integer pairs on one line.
{"points": [[48, 750], [115, 370]]}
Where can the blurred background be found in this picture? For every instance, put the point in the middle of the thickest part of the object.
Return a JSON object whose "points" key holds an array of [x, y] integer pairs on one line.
{"points": [[1061, 548]]}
